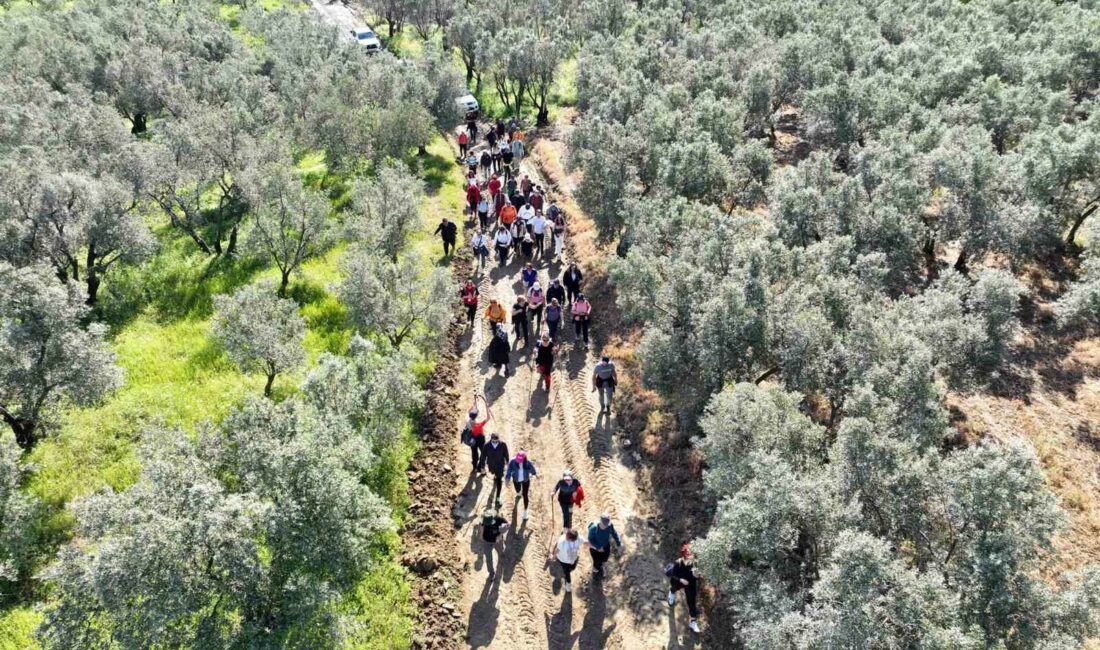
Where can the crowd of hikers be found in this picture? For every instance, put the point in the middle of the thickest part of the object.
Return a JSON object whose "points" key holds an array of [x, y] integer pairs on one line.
{"points": [[517, 221]]}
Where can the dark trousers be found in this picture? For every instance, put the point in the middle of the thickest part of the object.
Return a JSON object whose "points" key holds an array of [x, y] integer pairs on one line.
{"points": [[476, 457], [524, 490], [540, 243], [536, 318], [448, 246], [566, 513], [580, 327], [567, 571], [502, 255], [552, 325], [571, 292], [471, 313], [498, 485], [691, 591], [462, 148], [599, 557], [520, 324], [483, 220], [489, 556]]}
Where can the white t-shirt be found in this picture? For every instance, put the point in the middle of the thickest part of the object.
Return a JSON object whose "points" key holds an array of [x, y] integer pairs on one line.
{"points": [[538, 225], [526, 213], [568, 551], [503, 238], [477, 241]]}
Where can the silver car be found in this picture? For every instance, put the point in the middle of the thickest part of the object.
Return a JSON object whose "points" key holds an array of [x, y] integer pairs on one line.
{"points": [[366, 37]]}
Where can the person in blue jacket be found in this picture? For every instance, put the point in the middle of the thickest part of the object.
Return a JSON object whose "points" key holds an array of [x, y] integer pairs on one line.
{"points": [[600, 536], [520, 472]]}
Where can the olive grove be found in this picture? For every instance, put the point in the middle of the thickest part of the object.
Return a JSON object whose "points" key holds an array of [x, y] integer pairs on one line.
{"points": [[818, 209]]}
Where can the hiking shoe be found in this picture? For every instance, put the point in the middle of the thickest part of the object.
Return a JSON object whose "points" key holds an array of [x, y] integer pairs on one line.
{"points": [[525, 515], [671, 599], [492, 574], [694, 626]]}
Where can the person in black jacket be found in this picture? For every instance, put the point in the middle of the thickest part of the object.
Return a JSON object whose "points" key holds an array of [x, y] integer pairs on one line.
{"points": [[496, 459], [519, 320], [572, 279], [499, 349], [544, 359], [565, 490], [555, 290], [448, 232], [491, 525], [682, 575]]}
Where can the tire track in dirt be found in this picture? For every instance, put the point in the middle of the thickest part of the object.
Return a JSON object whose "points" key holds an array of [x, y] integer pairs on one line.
{"points": [[524, 607]]}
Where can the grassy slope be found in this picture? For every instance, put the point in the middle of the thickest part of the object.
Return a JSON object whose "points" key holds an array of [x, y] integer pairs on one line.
{"points": [[176, 376]]}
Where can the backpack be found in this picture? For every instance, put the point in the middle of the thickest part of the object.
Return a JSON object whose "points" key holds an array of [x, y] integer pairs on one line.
{"points": [[670, 568], [578, 496]]}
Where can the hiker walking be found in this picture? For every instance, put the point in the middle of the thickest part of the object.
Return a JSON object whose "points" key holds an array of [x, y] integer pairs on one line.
{"points": [[600, 535], [538, 231], [496, 460], [572, 279], [604, 380], [519, 320], [503, 242], [473, 197], [518, 151], [495, 313], [536, 302], [469, 295], [480, 245], [557, 220], [682, 575], [463, 144], [473, 435], [486, 162], [582, 310], [544, 359], [499, 349], [483, 212], [520, 472], [554, 313], [567, 551], [569, 493], [529, 276], [507, 215], [491, 525], [448, 232]]}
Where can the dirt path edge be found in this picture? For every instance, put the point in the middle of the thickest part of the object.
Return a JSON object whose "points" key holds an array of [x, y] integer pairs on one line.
{"points": [[430, 552]]}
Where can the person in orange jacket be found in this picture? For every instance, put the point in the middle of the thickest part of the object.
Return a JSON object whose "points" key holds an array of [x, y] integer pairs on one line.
{"points": [[496, 313]]}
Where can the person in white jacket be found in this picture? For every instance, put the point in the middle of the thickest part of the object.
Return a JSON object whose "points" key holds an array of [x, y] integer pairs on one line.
{"points": [[567, 552]]}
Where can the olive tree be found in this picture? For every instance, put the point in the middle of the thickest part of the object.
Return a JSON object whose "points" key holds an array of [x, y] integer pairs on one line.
{"points": [[395, 299], [289, 222], [260, 331], [385, 209], [18, 512], [48, 357]]}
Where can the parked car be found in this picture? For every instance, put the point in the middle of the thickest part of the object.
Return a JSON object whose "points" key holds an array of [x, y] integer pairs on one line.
{"points": [[366, 37], [468, 102]]}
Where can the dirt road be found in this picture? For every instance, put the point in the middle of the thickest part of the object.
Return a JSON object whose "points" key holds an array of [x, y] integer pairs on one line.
{"points": [[525, 605]]}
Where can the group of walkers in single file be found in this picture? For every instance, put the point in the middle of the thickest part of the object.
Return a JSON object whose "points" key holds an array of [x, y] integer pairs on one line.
{"points": [[518, 221]]}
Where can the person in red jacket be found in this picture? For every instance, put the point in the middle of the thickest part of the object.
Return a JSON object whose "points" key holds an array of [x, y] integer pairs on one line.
{"points": [[469, 296], [473, 197], [463, 143], [494, 186]]}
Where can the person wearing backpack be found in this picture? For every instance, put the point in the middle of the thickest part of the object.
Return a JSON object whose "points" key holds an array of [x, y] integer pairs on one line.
{"points": [[496, 460], [491, 525], [683, 575], [569, 493], [469, 295], [473, 435], [582, 309], [600, 535], [520, 472], [544, 359], [604, 380]]}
